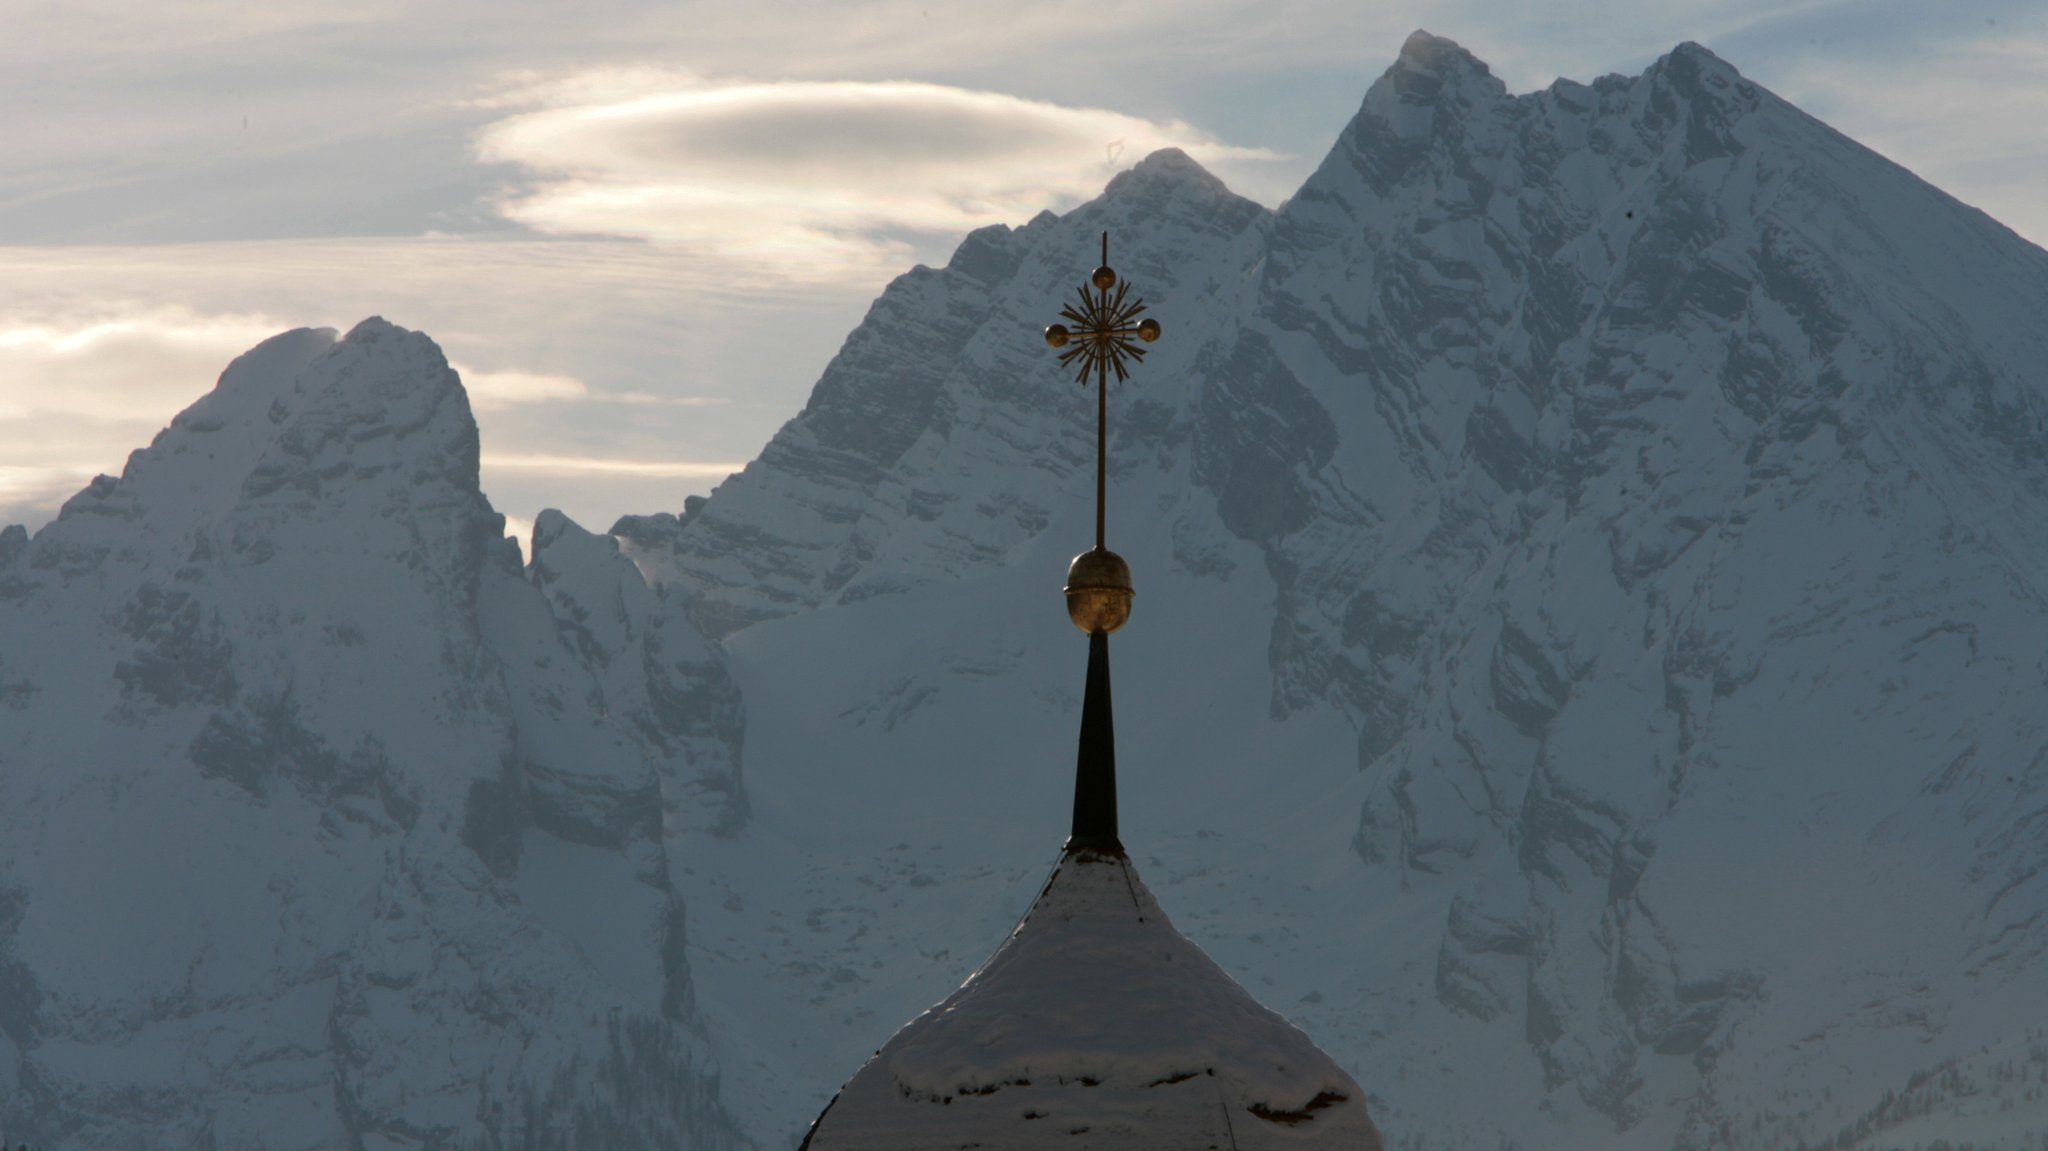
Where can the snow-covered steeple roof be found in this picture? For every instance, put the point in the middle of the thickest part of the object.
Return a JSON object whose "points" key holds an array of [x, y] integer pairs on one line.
{"points": [[1096, 1024]]}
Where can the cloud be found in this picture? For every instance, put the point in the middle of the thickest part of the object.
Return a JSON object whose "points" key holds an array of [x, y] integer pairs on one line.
{"points": [[648, 399], [815, 180], [81, 387], [28, 495], [111, 357], [607, 465], [520, 531], [496, 391]]}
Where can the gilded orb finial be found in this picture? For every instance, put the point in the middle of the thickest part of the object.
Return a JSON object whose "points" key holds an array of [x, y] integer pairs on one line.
{"points": [[1099, 591], [1106, 325]]}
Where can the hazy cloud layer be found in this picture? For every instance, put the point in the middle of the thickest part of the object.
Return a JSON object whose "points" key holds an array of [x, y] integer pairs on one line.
{"points": [[611, 465], [497, 391], [819, 179]]}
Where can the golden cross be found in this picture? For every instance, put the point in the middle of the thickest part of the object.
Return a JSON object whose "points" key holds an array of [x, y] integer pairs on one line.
{"points": [[1102, 340]]}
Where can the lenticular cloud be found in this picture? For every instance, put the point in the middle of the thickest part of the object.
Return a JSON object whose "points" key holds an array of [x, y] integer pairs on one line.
{"points": [[823, 178]]}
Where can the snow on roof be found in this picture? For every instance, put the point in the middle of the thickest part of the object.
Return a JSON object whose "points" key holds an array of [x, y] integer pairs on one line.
{"points": [[1096, 1024]]}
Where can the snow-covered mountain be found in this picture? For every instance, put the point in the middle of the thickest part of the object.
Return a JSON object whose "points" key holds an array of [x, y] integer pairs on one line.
{"points": [[1584, 672], [325, 824]]}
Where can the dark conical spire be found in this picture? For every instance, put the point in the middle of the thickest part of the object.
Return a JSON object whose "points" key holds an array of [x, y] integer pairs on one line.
{"points": [[1095, 768]]}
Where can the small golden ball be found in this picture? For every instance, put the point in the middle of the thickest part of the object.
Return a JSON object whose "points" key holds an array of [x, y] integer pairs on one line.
{"points": [[1099, 591], [1057, 335], [1148, 330], [1104, 278]]}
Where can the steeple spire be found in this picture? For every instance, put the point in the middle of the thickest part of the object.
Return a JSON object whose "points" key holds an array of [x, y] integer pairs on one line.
{"points": [[1099, 581], [1096, 1024], [1095, 768]]}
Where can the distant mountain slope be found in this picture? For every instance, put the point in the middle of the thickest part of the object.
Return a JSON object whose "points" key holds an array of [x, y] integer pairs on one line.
{"points": [[1585, 671], [1629, 497], [327, 826]]}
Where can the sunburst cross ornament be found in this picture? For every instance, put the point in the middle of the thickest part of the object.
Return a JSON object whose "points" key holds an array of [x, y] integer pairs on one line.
{"points": [[1104, 337]]}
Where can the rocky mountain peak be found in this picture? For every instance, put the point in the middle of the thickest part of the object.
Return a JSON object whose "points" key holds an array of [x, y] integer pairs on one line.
{"points": [[1424, 51], [300, 435], [325, 743], [1431, 79], [1692, 63], [1166, 173], [381, 397], [1168, 193]]}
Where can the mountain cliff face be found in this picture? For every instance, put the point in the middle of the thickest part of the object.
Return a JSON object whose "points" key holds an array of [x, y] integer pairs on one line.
{"points": [[1585, 658], [1628, 499], [327, 825]]}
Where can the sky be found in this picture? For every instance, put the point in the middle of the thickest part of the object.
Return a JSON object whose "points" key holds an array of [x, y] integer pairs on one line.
{"points": [[640, 230]]}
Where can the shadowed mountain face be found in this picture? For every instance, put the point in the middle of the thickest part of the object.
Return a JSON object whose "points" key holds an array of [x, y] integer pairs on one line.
{"points": [[326, 825], [1585, 660]]}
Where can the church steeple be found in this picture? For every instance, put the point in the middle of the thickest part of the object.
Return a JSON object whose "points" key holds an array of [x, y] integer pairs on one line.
{"points": [[1096, 1026]]}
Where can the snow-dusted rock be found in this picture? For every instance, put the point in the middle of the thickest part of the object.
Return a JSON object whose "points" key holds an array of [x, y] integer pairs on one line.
{"points": [[325, 824]]}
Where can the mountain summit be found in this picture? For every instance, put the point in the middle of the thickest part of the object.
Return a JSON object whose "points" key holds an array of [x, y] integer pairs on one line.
{"points": [[1603, 528], [326, 824]]}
